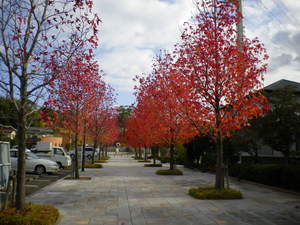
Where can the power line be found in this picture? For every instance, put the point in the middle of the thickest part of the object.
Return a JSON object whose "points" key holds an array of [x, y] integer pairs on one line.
{"points": [[281, 5]]}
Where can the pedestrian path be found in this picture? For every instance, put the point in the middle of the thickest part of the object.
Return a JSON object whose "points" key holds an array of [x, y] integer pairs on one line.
{"points": [[126, 193]]}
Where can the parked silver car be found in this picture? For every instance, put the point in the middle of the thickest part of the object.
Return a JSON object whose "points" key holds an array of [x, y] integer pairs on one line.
{"points": [[34, 163]]}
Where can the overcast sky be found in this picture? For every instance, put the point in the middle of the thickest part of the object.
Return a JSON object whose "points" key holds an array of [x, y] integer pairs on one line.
{"points": [[134, 30]]}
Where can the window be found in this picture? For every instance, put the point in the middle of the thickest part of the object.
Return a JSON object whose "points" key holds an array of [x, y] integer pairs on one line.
{"points": [[58, 152], [14, 154]]}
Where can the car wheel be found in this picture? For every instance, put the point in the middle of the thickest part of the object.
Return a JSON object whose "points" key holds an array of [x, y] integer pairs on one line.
{"points": [[40, 169], [59, 165]]}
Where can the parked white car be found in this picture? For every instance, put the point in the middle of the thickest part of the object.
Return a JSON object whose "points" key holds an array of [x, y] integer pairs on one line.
{"points": [[57, 154], [34, 163], [88, 152]]}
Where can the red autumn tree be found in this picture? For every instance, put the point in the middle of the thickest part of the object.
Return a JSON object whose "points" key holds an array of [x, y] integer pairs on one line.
{"points": [[102, 112], [223, 75], [34, 35], [162, 102], [73, 96], [111, 134], [143, 126]]}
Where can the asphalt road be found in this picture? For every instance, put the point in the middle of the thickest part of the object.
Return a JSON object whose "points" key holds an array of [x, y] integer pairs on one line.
{"points": [[35, 182]]}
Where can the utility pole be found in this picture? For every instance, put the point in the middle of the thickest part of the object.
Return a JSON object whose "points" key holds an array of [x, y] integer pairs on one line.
{"points": [[240, 26]]}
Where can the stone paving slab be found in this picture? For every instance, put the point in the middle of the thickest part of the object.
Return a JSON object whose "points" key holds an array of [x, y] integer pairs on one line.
{"points": [[126, 193]]}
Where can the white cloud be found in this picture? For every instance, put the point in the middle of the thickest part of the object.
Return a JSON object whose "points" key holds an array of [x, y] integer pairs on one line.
{"points": [[276, 23], [122, 64], [131, 33], [133, 30]]}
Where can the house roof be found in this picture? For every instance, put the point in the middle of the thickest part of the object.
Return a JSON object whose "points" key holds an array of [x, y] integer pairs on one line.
{"points": [[7, 129], [283, 84], [39, 130]]}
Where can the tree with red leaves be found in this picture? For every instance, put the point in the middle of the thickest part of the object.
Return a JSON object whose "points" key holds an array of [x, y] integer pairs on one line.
{"points": [[111, 132], [160, 103], [223, 74], [37, 37], [73, 96], [102, 115]]}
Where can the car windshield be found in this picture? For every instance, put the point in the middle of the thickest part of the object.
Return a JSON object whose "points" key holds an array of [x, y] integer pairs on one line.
{"points": [[30, 154]]}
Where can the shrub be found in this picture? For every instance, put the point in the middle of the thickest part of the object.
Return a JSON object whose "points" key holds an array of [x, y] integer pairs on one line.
{"points": [[180, 154], [212, 193], [208, 163], [284, 176], [164, 159], [100, 161], [93, 166], [104, 158], [144, 161], [33, 214], [169, 172], [137, 158], [153, 165]]}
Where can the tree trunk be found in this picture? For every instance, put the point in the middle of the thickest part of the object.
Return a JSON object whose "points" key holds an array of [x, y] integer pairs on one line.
{"points": [[76, 172], [135, 153], [103, 151], [100, 150], [83, 148], [172, 156], [140, 153], [145, 153], [256, 155], [219, 182], [20, 191], [106, 151], [287, 157], [95, 146]]}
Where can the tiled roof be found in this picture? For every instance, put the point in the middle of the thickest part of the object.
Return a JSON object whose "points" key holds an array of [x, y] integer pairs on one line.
{"points": [[282, 84]]}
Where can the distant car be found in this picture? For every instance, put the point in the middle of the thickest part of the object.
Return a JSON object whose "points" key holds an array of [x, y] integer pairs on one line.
{"points": [[88, 152], [34, 163]]}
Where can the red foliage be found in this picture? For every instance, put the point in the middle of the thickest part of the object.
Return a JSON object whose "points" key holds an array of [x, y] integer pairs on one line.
{"points": [[224, 77], [73, 95]]}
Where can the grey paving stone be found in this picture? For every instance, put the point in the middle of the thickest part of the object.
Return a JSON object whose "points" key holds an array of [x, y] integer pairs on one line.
{"points": [[125, 192]]}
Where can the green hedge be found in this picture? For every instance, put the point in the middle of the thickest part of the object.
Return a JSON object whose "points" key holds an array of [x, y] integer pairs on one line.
{"points": [[33, 214], [284, 176], [104, 158], [100, 161], [169, 172], [212, 193], [153, 165], [144, 160], [93, 166]]}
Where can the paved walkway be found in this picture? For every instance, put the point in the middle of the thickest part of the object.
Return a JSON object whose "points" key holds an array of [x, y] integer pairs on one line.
{"points": [[126, 193]]}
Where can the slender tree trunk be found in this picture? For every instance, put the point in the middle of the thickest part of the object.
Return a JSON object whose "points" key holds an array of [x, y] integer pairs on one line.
{"points": [[140, 153], [256, 154], [145, 153], [103, 151], [172, 157], [76, 172], [135, 153], [95, 146], [287, 157], [100, 150], [20, 191], [106, 151], [83, 148], [219, 183]]}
